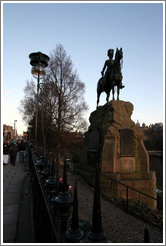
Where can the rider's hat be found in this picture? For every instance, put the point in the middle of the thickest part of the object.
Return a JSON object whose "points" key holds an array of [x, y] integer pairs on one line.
{"points": [[110, 52]]}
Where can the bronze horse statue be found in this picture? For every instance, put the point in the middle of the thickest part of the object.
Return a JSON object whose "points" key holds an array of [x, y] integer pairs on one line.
{"points": [[106, 84]]}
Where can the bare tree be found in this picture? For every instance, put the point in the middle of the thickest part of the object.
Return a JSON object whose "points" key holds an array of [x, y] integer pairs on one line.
{"points": [[28, 103], [61, 98]]}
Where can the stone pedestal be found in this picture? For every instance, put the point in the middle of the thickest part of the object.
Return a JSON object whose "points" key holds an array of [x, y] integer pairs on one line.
{"points": [[116, 142]]}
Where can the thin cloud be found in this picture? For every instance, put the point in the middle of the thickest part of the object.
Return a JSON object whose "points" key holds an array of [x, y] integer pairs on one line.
{"points": [[8, 92]]}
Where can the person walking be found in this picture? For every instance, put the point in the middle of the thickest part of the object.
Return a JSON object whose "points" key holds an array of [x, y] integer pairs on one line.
{"points": [[13, 153], [5, 153], [21, 149]]}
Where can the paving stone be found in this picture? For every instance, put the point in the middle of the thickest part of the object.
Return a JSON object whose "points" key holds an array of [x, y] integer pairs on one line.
{"points": [[14, 187], [10, 218], [9, 233], [14, 208], [11, 198], [17, 180]]}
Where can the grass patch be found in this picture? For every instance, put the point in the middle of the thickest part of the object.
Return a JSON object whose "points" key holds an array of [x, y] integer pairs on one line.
{"points": [[160, 185]]}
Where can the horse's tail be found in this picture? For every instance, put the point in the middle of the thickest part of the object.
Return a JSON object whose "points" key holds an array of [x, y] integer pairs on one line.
{"points": [[99, 85], [99, 90]]}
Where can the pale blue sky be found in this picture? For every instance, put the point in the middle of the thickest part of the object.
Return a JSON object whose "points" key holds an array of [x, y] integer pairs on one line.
{"points": [[87, 31]]}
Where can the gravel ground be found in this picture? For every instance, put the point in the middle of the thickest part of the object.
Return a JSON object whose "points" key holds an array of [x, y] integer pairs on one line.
{"points": [[118, 226]]}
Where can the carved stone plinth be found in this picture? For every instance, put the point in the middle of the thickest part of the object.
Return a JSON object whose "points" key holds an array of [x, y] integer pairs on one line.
{"points": [[116, 142]]}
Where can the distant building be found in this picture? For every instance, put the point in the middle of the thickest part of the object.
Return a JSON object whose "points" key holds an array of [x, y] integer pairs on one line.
{"points": [[8, 133], [143, 125], [138, 123]]}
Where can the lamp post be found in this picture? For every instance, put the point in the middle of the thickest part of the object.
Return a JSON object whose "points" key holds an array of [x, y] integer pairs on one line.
{"points": [[39, 62], [15, 129]]}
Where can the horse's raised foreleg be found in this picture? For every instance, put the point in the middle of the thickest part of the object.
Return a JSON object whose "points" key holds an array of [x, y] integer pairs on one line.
{"points": [[118, 92], [108, 95], [98, 99], [113, 92]]}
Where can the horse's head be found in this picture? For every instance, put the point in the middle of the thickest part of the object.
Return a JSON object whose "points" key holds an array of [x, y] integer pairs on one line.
{"points": [[119, 54], [119, 58]]}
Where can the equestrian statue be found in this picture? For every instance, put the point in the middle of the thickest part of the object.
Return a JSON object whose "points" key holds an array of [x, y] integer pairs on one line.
{"points": [[112, 77]]}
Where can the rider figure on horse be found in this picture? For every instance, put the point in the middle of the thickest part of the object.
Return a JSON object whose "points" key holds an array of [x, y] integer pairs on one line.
{"points": [[110, 66]]}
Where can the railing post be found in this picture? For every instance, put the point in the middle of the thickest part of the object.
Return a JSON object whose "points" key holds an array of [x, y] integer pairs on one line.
{"points": [[127, 198], [146, 236], [74, 234], [96, 235], [64, 201]]}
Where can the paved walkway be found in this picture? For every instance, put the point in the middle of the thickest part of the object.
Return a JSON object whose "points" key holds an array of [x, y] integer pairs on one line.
{"points": [[14, 178]]}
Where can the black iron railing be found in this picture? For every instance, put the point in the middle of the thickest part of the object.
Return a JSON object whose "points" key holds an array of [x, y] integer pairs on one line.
{"points": [[44, 219], [51, 206], [127, 190]]}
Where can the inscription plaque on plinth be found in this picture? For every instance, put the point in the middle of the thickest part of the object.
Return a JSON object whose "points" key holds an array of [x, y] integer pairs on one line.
{"points": [[127, 142], [94, 141]]}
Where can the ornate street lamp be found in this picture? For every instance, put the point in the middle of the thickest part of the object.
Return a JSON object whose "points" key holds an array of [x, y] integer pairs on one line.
{"points": [[39, 62]]}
